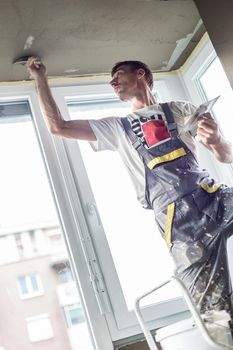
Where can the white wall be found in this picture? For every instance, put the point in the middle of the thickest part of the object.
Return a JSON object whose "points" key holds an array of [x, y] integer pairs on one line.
{"points": [[170, 87]]}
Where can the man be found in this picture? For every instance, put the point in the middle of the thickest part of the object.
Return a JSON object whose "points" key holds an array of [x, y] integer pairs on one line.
{"points": [[192, 211]]}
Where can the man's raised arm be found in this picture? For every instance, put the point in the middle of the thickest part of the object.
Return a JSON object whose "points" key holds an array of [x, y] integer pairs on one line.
{"points": [[76, 129]]}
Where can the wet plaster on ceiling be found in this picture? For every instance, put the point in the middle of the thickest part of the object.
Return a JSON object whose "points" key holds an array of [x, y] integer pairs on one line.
{"points": [[86, 37]]}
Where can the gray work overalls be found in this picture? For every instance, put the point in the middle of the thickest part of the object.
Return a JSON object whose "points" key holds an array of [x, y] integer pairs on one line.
{"points": [[194, 214]]}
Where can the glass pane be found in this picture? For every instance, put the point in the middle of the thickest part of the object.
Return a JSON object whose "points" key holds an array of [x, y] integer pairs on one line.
{"points": [[22, 285], [76, 315], [139, 253], [34, 283], [32, 247]]}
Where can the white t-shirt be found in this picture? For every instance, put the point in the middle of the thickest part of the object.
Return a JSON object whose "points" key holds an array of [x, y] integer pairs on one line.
{"points": [[110, 135]]}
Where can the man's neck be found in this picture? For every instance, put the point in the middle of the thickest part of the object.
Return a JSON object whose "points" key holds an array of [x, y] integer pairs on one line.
{"points": [[143, 100]]}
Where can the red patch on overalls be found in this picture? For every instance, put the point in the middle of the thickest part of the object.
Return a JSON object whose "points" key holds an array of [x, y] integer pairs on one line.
{"points": [[155, 131]]}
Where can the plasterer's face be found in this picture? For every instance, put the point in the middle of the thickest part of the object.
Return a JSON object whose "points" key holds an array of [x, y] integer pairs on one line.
{"points": [[125, 82]]}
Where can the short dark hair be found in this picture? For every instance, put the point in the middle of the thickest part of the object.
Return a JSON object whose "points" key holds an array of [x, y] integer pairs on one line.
{"points": [[135, 65]]}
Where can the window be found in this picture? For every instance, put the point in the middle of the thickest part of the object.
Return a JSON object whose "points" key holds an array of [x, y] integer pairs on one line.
{"points": [[19, 244], [30, 286], [29, 214], [32, 235], [39, 328], [31, 243], [65, 275], [73, 315]]}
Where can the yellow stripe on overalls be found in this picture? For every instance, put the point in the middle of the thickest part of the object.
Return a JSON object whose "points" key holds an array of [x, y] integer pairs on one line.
{"points": [[166, 157], [210, 189], [168, 224]]}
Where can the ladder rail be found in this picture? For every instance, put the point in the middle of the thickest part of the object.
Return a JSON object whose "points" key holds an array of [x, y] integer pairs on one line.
{"points": [[196, 316], [146, 331]]}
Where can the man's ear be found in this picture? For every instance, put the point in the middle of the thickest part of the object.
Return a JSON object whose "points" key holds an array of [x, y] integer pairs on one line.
{"points": [[140, 73]]}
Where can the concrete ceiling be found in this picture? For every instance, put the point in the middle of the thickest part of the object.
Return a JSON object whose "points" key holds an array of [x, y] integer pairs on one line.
{"points": [[86, 37]]}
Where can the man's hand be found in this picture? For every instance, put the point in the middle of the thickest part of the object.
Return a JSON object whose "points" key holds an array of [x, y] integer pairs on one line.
{"points": [[209, 135], [208, 132], [36, 68]]}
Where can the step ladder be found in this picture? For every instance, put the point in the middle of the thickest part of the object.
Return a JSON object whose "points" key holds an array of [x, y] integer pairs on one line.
{"points": [[195, 315]]}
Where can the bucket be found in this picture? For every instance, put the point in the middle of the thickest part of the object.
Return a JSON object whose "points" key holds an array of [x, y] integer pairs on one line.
{"points": [[185, 335]]}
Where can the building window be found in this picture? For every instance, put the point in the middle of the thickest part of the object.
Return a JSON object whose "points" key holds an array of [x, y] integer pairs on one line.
{"points": [[30, 286], [73, 315], [39, 328], [32, 235], [27, 243], [65, 275], [19, 244]]}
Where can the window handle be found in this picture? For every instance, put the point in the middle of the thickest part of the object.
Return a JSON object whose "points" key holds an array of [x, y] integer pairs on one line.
{"points": [[92, 210]]}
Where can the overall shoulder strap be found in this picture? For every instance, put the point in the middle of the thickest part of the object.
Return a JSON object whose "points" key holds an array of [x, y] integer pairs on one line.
{"points": [[169, 117], [133, 137], [136, 142]]}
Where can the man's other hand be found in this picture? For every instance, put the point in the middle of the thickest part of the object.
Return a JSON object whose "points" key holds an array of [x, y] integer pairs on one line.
{"points": [[208, 131]]}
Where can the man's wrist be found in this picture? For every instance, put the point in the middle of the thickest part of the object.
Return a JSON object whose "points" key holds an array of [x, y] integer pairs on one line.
{"points": [[217, 141], [41, 82]]}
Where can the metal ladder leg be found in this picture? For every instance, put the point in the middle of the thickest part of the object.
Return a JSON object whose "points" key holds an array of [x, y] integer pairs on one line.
{"points": [[197, 318]]}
